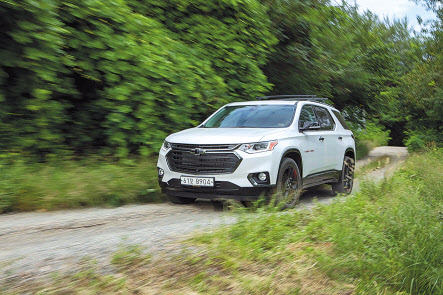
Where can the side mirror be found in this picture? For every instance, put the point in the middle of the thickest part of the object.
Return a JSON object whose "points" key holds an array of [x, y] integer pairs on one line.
{"points": [[310, 126]]}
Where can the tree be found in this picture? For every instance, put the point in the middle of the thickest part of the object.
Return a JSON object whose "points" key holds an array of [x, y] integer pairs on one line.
{"points": [[118, 77]]}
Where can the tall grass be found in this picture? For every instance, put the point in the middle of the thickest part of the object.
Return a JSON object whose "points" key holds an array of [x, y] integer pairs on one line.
{"points": [[386, 239], [390, 236], [67, 184]]}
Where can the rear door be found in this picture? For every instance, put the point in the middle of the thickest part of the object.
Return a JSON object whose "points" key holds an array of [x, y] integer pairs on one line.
{"points": [[327, 138], [344, 138]]}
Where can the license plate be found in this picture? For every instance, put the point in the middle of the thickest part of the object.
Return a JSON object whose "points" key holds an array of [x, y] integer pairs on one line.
{"points": [[197, 181]]}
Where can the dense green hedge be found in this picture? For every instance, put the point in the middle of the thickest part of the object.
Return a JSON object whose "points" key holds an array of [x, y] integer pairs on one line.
{"points": [[119, 76]]}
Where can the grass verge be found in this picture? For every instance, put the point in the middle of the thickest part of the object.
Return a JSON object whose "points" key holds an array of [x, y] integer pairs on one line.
{"points": [[388, 239], [373, 165], [74, 184]]}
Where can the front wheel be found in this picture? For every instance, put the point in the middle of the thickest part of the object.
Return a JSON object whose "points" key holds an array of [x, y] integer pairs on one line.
{"points": [[346, 182], [289, 186], [180, 200]]}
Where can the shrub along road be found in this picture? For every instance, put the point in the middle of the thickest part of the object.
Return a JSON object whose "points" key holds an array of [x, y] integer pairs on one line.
{"points": [[35, 244]]}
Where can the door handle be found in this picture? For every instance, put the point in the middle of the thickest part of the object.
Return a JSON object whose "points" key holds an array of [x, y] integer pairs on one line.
{"points": [[340, 137], [321, 138]]}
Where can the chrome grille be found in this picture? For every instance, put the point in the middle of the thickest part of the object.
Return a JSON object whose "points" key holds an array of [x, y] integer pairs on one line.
{"points": [[210, 147]]}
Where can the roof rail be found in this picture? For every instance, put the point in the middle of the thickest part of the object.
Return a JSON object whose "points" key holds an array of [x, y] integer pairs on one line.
{"points": [[293, 97]]}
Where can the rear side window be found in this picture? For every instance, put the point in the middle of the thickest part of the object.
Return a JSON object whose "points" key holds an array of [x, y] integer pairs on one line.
{"points": [[324, 118], [341, 119]]}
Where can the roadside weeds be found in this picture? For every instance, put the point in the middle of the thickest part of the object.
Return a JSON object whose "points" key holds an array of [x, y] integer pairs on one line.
{"points": [[360, 245]]}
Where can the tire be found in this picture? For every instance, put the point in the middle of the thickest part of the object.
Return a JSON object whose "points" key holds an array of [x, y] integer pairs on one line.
{"points": [[289, 186], [180, 200], [346, 181]]}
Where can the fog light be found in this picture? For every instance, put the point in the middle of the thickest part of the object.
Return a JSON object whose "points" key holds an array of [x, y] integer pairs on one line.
{"points": [[262, 176], [161, 172]]}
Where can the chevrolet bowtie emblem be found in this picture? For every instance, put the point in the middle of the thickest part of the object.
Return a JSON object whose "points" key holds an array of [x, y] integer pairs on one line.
{"points": [[199, 152]]}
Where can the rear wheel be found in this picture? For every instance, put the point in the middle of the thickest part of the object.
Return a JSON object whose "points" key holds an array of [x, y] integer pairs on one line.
{"points": [[180, 200], [346, 182], [288, 190]]}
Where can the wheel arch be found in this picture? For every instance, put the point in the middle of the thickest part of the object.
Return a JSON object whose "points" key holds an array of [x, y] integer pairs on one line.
{"points": [[295, 155], [350, 153]]}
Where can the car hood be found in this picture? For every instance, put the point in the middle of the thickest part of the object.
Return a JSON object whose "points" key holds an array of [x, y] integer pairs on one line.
{"points": [[222, 135]]}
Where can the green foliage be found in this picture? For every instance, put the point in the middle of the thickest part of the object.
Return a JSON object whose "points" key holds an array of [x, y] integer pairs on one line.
{"points": [[420, 140], [118, 77], [363, 148], [353, 59], [234, 35], [423, 92], [374, 132], [422, 87], [73, 184], [130, 256], [389, 235], [87, 280], [371, 135], [291, 64], [386, 238], [31, 74]]}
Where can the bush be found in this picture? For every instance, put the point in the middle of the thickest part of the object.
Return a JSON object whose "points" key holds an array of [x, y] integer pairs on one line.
{"points": [[374, 133], [369, 137], [420, 140], [362, 148], [115, 76]]}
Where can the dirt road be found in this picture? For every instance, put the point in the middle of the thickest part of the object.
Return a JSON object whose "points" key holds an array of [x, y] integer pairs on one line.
{"points": [[35, 244]]}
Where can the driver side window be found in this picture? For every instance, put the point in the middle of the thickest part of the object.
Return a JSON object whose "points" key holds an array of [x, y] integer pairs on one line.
{"points": [[306, 115]]}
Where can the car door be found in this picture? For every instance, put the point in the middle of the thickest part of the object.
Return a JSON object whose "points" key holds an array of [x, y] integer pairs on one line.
{"points": [[311, 147], [344, 137], [327, 137]]}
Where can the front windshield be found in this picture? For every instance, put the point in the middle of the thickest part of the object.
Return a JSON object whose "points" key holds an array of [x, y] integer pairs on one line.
{"points": [[252, 116]]}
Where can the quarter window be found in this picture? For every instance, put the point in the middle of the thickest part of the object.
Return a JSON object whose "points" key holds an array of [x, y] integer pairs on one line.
{"points": [[341, 119]]}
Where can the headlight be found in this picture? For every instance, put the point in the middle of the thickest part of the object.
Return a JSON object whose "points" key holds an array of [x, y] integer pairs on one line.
{"points": [[258, 147], [166, 146]]}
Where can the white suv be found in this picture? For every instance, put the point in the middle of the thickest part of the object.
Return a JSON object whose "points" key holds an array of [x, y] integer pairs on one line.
{"points": [[247, 149]]}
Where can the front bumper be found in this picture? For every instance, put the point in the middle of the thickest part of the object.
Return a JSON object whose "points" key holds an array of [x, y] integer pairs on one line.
{"points": [[236, 185], [221, 190]]}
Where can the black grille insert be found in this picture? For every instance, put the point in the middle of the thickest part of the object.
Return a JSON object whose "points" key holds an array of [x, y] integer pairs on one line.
{"points": [[208, 158]]}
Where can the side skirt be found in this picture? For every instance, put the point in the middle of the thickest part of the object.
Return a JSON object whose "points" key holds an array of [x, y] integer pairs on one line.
{"points": [[324, 177]]}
